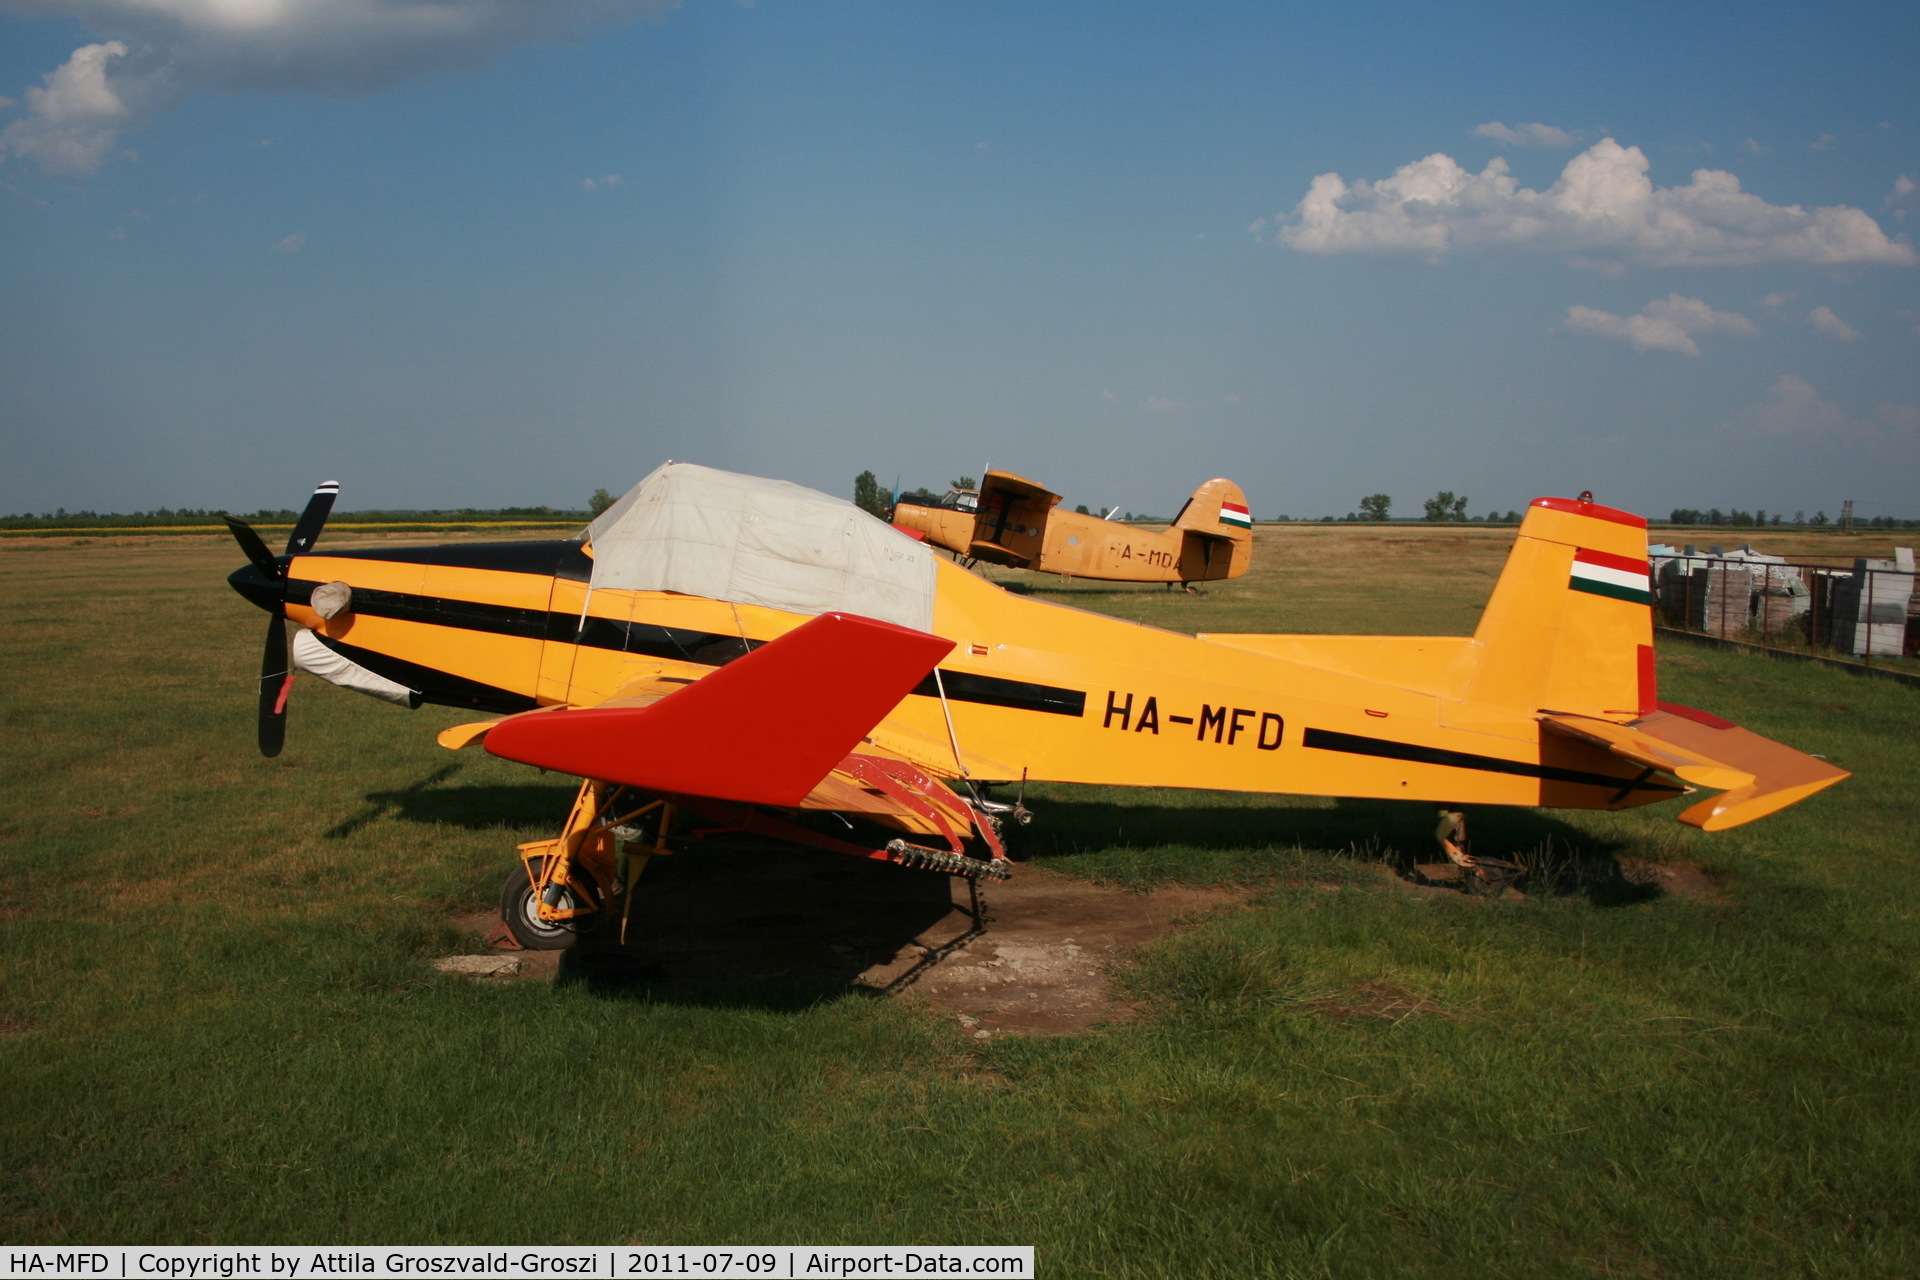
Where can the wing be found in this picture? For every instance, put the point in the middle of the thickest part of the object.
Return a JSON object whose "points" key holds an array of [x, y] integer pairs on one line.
{"points": [[766, 728], [1017, 488], [1754, 775]]}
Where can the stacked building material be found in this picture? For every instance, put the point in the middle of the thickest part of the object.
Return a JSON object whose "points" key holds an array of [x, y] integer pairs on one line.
{"points": [[1870, 606], [1720, 599], [1781, 598], [1670, 580], [1672, 570]]}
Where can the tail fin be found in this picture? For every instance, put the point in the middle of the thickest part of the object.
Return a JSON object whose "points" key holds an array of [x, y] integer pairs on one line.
{"points": [[1217, 533], [1570, 625], [1219, 509]]}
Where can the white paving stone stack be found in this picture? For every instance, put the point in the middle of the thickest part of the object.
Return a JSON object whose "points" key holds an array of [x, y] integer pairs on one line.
{"points": [[1720, 599], [1870, 606]]}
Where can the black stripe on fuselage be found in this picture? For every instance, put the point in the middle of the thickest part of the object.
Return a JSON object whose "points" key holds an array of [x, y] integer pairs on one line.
{"points": [[1355, 744], [994, 691], [679, 644], [549, 558]]}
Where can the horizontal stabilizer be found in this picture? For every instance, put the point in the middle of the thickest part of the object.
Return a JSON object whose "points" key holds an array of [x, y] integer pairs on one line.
{"points": [[1754, 775], [764, 729]]}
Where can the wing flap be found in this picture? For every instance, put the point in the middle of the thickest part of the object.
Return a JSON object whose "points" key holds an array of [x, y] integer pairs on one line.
{"points": [[764, 729]]}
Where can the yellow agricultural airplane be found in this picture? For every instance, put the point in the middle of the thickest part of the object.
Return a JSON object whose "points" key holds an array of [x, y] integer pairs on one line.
{"points": [[741, 650], [1013, 521]]}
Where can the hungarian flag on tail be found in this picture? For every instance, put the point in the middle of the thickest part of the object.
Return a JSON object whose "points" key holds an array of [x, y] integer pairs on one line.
{"points": [[1236, 515], [1603, 574]]}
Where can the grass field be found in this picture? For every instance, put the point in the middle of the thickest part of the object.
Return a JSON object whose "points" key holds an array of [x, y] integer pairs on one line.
{"points": [[216, 1023]]}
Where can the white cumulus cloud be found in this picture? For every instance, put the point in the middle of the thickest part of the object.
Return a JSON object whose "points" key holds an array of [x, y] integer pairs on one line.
{"points": [[1666, 324], [1526, 135], [600, 184], [156, 52], [1832, 325], [1901, 196], [1602, 212], [73, 117], [292, 244]]}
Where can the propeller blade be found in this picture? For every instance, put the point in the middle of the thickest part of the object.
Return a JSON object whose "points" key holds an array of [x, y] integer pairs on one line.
{"points": [[276, 679], [313, 519], [256, 550]]}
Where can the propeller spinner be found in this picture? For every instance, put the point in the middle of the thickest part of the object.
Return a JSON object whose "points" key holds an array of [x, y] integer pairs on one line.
{"points": [[263, 580]]}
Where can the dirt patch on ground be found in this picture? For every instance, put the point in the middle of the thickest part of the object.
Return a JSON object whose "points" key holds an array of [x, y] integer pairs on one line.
{"points": [[1040, 960], [1679, 881], [1031, 954]]}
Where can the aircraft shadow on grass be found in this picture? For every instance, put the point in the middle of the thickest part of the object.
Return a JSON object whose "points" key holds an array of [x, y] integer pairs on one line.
{"points": [[753, 923], [1560, 860]]}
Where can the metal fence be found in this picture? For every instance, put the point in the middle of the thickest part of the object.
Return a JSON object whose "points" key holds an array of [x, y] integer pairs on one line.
{"points": [[1861, 609]]}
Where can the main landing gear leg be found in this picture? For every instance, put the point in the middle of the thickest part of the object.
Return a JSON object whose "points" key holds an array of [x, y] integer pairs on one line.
{"points": [[635, 853], [1481, 875], [1452, 835]]}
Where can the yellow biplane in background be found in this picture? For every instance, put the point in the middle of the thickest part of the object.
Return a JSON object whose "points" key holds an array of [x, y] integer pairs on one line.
{"points": [[742, 650], [1013, 521]]}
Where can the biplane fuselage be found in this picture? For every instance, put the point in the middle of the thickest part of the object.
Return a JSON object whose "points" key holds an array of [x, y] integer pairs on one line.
{"points": [[1019, 524], [1042, 691]]}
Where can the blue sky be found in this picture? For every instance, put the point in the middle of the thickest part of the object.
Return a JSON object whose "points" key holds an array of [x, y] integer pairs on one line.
{"points": [[493, 253]]}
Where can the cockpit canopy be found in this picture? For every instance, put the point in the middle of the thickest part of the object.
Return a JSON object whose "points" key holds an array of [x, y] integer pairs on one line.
{"points": [[726, 536]]}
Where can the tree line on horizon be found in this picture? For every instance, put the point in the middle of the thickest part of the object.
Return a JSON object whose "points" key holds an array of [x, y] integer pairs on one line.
{"points": [[1760, 519]]}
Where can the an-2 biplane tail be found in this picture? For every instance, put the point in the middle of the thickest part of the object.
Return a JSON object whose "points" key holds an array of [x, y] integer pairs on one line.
{"points": [[1569, 627], [1217, 532], [1219, 509]]}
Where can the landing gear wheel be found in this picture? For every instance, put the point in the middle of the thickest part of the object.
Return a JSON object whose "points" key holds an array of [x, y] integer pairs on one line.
{"points": [[520, 909]]}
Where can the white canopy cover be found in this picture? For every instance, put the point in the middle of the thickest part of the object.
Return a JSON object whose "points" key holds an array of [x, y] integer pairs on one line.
{"points": [[725, 536]]}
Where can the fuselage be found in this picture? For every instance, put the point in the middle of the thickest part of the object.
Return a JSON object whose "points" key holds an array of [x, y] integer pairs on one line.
{"points": [[1031, 689], [1078, 545]]}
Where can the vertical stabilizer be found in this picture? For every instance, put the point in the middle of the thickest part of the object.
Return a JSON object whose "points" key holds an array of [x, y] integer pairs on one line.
{"points": [[1570, 624], [1218, 533], [1217, 508]]}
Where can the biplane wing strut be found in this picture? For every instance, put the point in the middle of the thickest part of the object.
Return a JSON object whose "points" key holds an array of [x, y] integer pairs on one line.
{"points": [[764, 729]]}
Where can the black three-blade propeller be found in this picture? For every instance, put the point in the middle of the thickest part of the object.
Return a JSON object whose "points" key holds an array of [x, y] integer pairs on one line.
{"points": [[268, 589]]}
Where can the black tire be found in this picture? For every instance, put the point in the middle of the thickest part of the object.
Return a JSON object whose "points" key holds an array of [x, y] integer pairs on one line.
{"points": [[520, 910]]}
